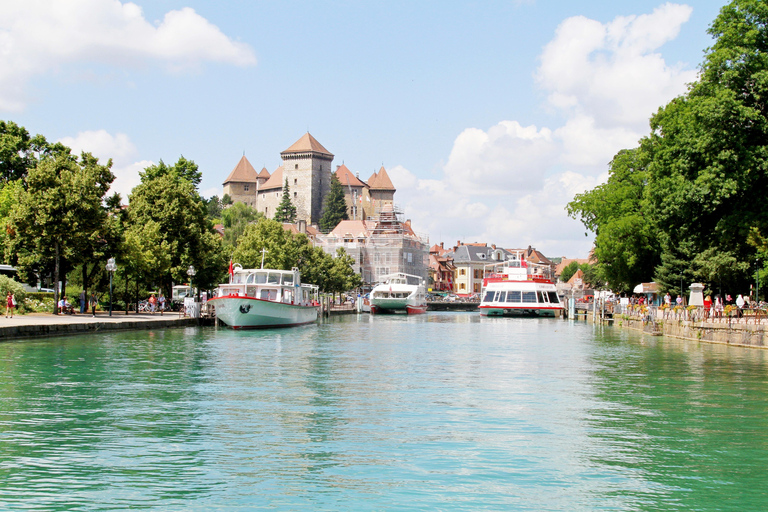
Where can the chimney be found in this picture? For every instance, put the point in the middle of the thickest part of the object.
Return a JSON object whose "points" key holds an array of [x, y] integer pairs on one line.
{"points": [[408, 222], [441, 245], [493, 246], [303, 226]]}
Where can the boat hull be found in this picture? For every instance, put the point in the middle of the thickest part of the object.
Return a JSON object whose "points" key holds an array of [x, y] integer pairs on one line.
{"points": [[251, 313], [520, 312], [383, 306]]}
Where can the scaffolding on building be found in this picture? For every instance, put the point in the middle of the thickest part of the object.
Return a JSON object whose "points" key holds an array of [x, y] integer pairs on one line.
{"points": [[389, 247]]}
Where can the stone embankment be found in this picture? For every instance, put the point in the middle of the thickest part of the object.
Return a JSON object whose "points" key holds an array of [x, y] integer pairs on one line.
{"points": [[43, 324], [750, 330]]}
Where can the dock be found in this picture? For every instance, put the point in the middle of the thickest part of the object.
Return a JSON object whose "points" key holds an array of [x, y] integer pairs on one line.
{"points": [[36, 325]]}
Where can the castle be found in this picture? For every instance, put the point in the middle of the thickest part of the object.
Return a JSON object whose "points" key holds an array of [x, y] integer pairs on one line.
{"points": [[307, 168]]}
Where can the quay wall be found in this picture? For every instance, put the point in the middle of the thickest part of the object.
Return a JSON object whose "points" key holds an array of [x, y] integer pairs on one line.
{"points": [[40, 330], [753, 335]]}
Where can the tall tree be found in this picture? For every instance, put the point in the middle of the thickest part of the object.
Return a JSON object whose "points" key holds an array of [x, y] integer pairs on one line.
{"points": [[335, 209], [20, 152], [626, 240], [183, 168], [286, 211], [171, 201], [235, 219], [60, 215]]}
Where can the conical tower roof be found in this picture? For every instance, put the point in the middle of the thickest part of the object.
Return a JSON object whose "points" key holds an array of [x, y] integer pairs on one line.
{"points": [[242, 173], [380, 181], [264, 173], [307, 144]]}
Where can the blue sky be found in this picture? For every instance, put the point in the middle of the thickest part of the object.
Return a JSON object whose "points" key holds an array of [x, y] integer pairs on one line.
{"points": [[488, 115]]}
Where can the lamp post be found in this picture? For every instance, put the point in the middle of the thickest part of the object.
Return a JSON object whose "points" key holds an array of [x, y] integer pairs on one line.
{"points": [[191, 273], [111, 267]]}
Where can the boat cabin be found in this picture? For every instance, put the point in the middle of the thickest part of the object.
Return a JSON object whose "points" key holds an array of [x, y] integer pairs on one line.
{"points": [[271, 285]]}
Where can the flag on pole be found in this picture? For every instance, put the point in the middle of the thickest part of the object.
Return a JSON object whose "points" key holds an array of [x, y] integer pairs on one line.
{"points": [[231, 270]]}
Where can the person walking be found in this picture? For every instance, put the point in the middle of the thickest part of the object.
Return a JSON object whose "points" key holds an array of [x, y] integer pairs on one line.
{"points": [[83, 301], [94, 301], [10, 303], [152, 303], [161, 303]]}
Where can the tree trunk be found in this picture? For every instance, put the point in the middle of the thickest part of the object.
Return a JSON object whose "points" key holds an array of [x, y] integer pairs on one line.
{"points": [[85, 286], [127, 296], [56, 279]]}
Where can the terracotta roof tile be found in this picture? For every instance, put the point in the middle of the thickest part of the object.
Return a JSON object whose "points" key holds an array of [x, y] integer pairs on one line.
{"points": [[274, 181], [242, 173], [382, 181], [347, 178], [305, 144], [264, 173]]}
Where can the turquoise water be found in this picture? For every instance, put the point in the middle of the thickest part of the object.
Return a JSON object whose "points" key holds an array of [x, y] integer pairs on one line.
{"points": [[445, 411]]}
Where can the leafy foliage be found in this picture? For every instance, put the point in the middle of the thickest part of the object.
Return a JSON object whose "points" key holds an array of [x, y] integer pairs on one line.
{"points": [[688, 198], [19, 152], [235, 219], [185, 169]]}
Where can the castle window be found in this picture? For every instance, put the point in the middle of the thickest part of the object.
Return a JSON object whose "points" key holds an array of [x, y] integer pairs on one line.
{"points": [[295, 181], [297, 166], [295, 194], [245, 188]]}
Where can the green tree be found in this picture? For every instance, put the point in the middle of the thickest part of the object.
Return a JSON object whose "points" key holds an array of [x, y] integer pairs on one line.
{"points": [[626, 239], [568, 271], [171, 201], [235, 219], [60, 216], [286, 211], [183, 168], [709, 150], [20, 152], [214, 208], [335, 209]]}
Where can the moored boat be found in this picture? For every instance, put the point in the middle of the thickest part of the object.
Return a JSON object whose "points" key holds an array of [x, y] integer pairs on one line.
{"points": [[257, 298], [516, 287], [399, 293]]}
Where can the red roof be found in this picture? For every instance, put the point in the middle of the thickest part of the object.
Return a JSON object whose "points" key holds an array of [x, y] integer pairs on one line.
{"points": [[307, 143], [347, 178], [242, 173]]}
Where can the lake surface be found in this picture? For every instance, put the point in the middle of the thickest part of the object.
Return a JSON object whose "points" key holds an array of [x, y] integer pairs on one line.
{"points": [[444, 411]]}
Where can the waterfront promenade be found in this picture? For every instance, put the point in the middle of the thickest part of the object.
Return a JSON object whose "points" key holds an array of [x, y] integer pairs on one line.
{"points": [[45, 324]]}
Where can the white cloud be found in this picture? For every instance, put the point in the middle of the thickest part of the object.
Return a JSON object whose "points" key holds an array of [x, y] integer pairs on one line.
{"points": [[509, 185], [41, 36], [117, 147]]}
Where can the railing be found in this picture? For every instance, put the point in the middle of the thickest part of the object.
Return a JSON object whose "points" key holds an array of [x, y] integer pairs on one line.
{"points": [[726, 315]]}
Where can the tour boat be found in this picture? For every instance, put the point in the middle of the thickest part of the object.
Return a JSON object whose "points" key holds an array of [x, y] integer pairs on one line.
{"points": [[516, 287], [257, 298], [399, 293]]}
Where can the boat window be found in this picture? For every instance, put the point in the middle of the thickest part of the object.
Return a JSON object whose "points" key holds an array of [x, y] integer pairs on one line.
{"points": [[553, 298], [250, 279], [529, 297], [500, 296], [268, 294], [488, 297], [288, 279], [542, 297], [513, 296], [274, 278], [261, 278]]}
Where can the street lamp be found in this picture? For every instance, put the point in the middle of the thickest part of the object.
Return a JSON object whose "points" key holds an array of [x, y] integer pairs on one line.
{"points": [[111, 267], [191, 273]]}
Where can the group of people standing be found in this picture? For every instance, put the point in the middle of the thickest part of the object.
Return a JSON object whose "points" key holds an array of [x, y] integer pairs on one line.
{"points": [[156, 303]]}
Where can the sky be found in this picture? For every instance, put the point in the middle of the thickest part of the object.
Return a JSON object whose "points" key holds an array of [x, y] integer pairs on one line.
{"points": [[488, 116]]}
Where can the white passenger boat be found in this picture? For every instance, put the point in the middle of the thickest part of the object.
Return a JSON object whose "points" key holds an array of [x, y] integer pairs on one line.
{"points": [[399, 293], [263, 297], [516, 287]]}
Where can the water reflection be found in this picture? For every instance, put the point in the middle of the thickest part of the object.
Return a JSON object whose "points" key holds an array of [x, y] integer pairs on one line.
{"points": [[437, 411]]}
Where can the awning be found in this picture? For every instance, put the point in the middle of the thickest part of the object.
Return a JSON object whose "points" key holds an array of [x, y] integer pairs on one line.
{"points": [[646, 288]]}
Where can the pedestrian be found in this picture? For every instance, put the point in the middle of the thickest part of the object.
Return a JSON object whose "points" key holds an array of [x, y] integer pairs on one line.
{"points": [[10, 303], [152, 304], [668, 300], [94, 301], [83, 301], [161, 303], [679, 300]]}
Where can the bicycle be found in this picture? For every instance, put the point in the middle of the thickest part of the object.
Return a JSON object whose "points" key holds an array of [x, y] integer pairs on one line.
{"points": [[144, 306]]}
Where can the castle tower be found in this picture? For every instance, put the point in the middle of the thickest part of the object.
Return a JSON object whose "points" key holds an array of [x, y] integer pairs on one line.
{"points": [[307, 167], [242, 182]]}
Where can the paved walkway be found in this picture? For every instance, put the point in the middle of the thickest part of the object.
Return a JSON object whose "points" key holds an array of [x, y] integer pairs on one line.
{"points": [[47, 324]]}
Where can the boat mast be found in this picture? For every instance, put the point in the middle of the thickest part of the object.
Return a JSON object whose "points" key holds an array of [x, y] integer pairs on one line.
{"points": [[263, 252]]}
